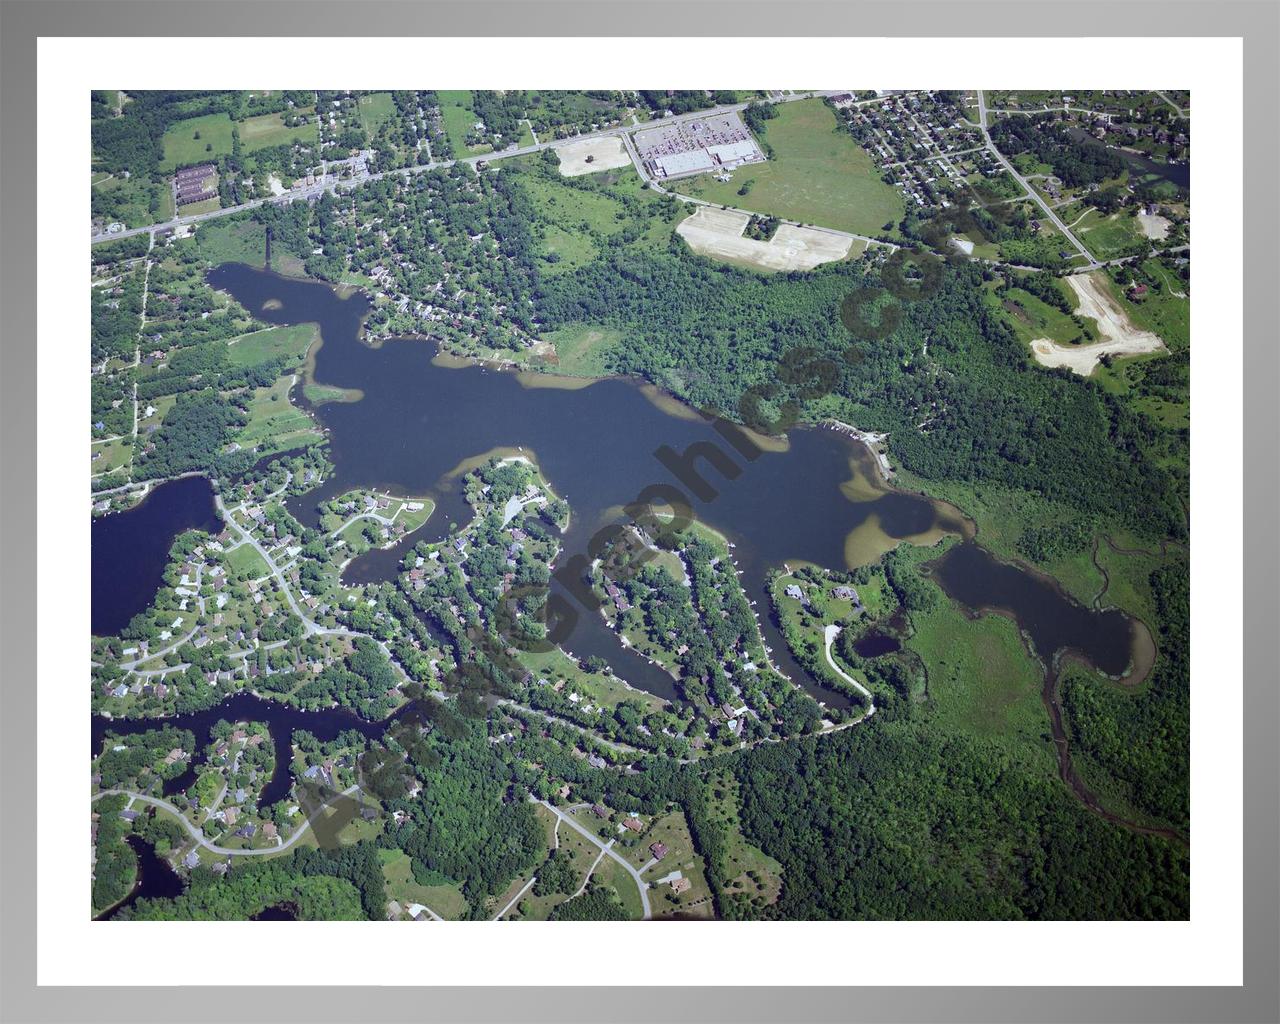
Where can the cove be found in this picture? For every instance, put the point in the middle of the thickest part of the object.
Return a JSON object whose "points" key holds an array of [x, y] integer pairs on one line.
{"points": [[1057, 629], [281, 720], [421, 422], [156, 879], [129, 550]]}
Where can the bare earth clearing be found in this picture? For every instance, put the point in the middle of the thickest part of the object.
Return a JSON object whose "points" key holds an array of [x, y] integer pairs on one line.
{"points": [[718, 233], [1154, 226], [1119, 336], [604, 153]]}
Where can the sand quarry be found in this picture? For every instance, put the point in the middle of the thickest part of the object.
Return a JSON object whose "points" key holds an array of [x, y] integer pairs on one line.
{"points": [[1119, 336], [591, 155], [718, 233]]}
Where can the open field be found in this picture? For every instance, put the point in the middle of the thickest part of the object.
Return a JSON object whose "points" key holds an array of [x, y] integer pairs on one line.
{"points": [[719, 234], [817, 175], [592, 155], [1119, 335], [397, 870], [274, 342], [245, 559], [458, 117], [375, 110], [228, 241], [574, 221], [182, 148], [269, 130], [1112, 235], [582, 350], [275, 423]]}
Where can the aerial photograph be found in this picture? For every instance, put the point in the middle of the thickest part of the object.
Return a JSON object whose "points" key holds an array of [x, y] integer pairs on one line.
{"points": [[527, 505]]}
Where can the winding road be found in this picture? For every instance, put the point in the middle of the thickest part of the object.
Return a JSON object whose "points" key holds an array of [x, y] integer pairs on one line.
{"points": [[198, 836], [607, 848]]}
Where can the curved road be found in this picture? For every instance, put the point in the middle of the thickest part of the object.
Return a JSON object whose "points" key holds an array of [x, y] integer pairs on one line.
{"points": [[198, 836], [641, 884]]}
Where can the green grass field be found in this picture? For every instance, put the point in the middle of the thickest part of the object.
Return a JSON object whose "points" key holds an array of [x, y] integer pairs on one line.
{"points": [[573, 218], [981, 677], [818, 175], [245, 559], [582, 350], [397, 870], [233, 241], [1032, 318], [269, 130], [260, 346], [183, 149], [458, 117], [376, 109], [274, 423], [1110, 236]]}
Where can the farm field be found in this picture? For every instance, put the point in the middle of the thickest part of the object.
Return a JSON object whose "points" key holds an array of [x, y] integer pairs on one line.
{"points": [[817, 175]]}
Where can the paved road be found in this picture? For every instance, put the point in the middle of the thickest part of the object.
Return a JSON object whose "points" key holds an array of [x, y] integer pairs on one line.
{"points": [[1048, 210], [641, 884], [829, 635], [198, 836], [361, 176], [514, 899]]}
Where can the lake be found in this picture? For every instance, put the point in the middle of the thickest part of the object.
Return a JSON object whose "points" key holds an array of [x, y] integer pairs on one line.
{"points": [[129, 550], [424, 420]]}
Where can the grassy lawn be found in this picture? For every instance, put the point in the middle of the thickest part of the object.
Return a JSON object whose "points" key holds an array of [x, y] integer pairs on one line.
{"points": [[1110, 236], [981, 678], [614, 876], [182, 148], [111, 455], [397, 869], [269, 130], [818, 175], [205, 206], [274, 422], [233, 241], [245, 559], [582, 350], [291, 342], [376, 109], [753, 875], [458, 117]]}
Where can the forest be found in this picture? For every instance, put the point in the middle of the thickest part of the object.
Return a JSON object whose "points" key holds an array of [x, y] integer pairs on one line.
{"points": [[1075, 162], [904, 822]]}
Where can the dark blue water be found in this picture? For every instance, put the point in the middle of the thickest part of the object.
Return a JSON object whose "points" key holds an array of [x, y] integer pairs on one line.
{"points": [[129, 550]]}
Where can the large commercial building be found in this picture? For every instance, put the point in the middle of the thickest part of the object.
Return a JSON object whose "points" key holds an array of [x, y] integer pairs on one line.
{"points": [[696, 145]]}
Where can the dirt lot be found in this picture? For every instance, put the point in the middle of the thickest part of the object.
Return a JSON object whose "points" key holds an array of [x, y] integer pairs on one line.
{"points": [[1154, 226], [718, 233], [1119, 336], [604, 153]]}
